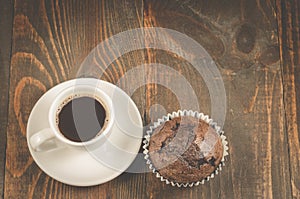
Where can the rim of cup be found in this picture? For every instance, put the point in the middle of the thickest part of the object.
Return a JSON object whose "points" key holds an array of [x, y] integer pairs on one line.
{"points": [[71, 93]]}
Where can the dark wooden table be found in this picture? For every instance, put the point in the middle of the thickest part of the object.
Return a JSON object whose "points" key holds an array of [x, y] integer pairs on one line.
{"points": [[255, 45]]}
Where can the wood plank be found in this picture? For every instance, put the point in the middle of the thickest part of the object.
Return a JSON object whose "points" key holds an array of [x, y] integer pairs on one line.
{"points": [[288, 27], [242, 39], [50, 40], [6, 10]]}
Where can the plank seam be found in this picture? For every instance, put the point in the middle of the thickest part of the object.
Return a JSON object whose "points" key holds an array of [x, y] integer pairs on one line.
{"points": [[7, 93]]}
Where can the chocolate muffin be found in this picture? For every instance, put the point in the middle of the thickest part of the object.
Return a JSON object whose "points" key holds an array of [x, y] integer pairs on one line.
{"points": [[185, 149]]}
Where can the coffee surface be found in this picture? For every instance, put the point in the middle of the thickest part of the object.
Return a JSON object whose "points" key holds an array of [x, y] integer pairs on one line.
{"points": [[81, 119]]}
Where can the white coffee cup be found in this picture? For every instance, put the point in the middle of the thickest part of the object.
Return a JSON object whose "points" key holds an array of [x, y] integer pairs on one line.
{"points": [[52, 138]]}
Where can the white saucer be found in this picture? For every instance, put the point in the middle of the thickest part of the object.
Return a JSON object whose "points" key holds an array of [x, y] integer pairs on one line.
{"points": [[85, 167]]}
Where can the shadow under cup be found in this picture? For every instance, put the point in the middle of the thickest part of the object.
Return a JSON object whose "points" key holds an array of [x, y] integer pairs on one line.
{"points": [[81, 116]]}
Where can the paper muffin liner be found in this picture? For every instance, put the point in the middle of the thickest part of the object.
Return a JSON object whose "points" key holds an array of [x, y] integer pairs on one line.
{"points": [[177, 114]]}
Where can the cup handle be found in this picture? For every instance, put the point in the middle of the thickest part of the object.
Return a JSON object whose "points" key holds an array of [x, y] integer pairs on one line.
{"points": [[43, 140]]}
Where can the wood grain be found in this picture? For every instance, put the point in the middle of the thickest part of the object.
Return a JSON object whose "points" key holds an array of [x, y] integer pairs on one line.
{"points": [[50, 41], [241, 36], [255, 45], [6, 10], [288, 25]]}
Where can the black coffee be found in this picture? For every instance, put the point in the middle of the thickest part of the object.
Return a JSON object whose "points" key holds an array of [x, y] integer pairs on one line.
{"points": [[81, 119]]}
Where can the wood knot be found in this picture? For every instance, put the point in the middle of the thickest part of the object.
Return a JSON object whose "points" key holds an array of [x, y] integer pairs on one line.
{"points": [[245, 38], [269, 56]]}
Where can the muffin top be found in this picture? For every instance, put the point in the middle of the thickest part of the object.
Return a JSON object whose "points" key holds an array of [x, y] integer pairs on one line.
{"points": [[185, 149]]}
